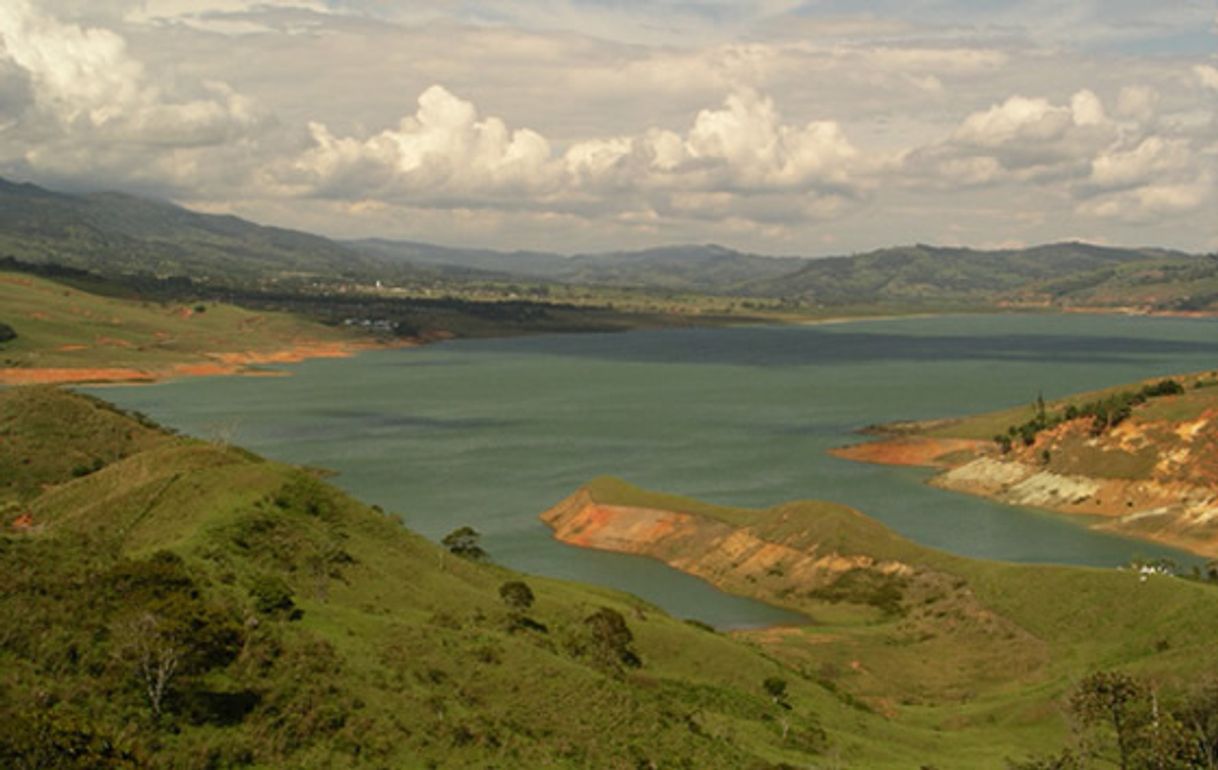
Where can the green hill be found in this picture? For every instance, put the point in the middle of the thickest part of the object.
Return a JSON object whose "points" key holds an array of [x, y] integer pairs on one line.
{"points": [[171, 602], [306, 630], [1069, 273], [985, 654], [117, 234], [114, 233], [63, 333]]}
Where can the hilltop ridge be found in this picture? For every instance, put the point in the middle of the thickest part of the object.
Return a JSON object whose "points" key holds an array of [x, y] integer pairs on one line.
{"points": [[119, 234]]}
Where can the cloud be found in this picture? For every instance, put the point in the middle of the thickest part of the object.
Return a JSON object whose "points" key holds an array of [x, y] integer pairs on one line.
{"points": [[1207, 76], [443, 150], [1024, 132], [1152, 158], [1152, 202], [1140, 103], [774, 125], [446, 150], [86, 97]]}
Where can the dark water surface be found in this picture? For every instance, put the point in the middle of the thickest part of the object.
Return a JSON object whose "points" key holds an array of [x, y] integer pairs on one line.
{"points": [[492, 432]]}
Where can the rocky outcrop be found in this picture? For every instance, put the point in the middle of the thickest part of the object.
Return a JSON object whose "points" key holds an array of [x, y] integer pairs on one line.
{"points": [[1149, 477]]}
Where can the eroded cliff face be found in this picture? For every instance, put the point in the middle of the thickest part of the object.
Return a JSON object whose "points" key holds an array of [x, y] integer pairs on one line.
{"points": [[726, 555], [1150, 478]]}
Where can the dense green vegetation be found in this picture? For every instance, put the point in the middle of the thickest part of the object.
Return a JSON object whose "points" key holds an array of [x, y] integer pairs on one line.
{"points": [[1125, 721], [188, 604], [191, 605]]}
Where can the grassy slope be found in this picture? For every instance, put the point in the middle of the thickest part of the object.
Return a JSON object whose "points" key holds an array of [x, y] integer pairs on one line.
{"points": [[983, 651], [59, 326], [404, 655]]}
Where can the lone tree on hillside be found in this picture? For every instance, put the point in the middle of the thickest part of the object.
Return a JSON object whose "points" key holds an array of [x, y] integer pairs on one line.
{"points": [[776, 688], [463, 542], [517, 595], [611, 637]]}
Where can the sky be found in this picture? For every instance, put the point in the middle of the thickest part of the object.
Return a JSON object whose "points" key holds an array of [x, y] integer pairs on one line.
{"points": [[775, 126]]}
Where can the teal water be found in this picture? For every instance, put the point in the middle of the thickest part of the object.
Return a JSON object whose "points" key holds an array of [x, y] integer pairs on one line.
{"points": [[492, 432]]}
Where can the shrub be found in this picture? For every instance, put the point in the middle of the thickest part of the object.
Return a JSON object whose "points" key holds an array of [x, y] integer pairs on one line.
{"points": [[273, 596], [463, 542], [516, 595]]}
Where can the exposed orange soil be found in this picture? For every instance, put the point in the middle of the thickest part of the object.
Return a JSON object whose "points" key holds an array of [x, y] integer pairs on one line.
{"points": [[214, 364], [908, 450], [723, 554], [113, 342], [57, 376], [1174, 503]]}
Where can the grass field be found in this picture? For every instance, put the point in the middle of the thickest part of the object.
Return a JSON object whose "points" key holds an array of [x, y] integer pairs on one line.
{"points": [[58, 326]]}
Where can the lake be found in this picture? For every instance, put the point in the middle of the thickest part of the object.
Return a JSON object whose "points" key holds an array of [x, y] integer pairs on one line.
{"points": [[492, 432]]}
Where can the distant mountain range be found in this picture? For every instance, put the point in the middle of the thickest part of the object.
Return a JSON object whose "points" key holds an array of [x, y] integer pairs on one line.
{"points": [[114, 233], [709, 268]]}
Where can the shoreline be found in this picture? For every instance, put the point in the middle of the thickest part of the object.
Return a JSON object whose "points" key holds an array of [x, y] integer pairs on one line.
{"points": [[215, 364], [946, 456]]}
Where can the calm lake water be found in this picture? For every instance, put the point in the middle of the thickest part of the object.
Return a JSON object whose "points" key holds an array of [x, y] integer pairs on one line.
{"points": [[492, 432]]}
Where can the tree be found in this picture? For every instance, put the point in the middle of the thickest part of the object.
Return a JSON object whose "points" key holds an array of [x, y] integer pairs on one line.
{"points": [[516, 595], [1162, 743], [1067, 760], [272, 596], [46, 738], [463, 542], [1113, 698], [611, 637], [148, 644], [776, 688], [1199, 713]]}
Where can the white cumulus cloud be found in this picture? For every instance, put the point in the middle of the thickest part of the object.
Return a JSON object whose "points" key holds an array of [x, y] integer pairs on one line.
{"points": [[90, 105], [446, 148]]}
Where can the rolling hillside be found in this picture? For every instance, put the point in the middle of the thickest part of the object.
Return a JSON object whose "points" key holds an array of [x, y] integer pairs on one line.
{"points": [[62, 333], [176, 603], [116, 233], [927, 274], [987, 654], [171, 602]]}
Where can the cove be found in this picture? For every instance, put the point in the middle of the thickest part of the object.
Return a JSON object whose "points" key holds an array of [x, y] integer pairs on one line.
{"points": [[492, 432]]}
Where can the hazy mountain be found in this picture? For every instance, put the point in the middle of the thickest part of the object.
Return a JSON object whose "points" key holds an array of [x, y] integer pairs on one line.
{"points": [[928, 273], [114, 232], [533, 264], [709, 268], [117, 233]]}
